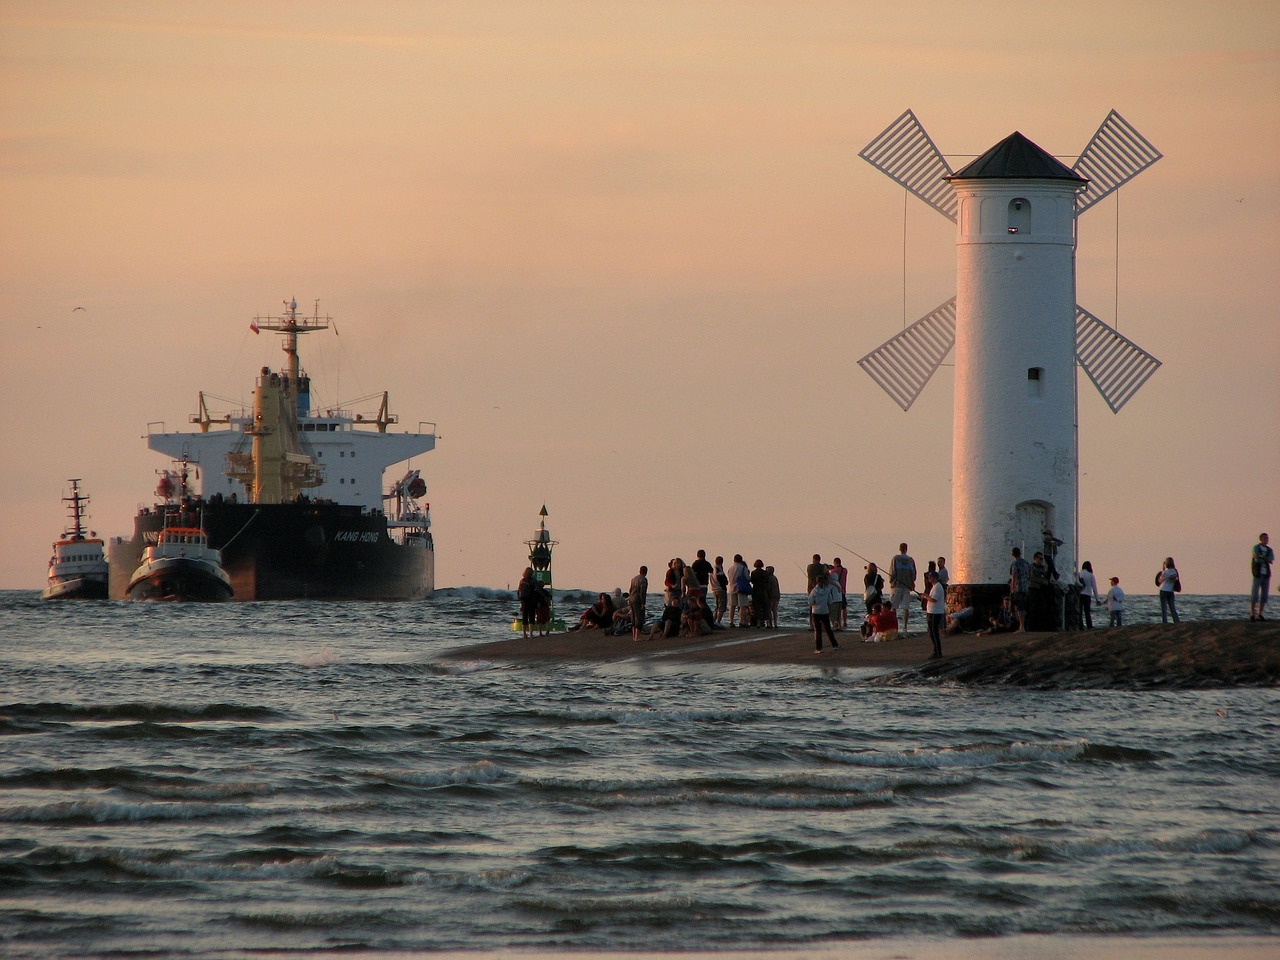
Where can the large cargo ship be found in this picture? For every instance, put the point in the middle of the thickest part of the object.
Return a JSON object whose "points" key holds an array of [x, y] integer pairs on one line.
{"points": [[293, 497]]}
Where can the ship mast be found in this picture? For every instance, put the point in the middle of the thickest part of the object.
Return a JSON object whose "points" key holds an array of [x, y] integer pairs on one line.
{"points": [[291, 325], [76, 532], [277, 469]]}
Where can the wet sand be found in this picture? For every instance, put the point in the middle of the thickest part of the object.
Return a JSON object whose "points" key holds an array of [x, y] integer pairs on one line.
{"points": [[1145, 656]]}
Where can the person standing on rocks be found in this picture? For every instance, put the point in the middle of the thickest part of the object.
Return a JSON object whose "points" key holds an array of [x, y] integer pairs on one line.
{"points": [[720, 587], [1019, 584], [1115, 603], [637, 599], [935, 610], [1088, 595], [1167, 581], [872, 588], [1263, 557], [902, 580], [823, 598], [739, 591]]}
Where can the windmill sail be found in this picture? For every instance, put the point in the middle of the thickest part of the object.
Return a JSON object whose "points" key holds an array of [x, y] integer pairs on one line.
{"points": [[1116, 154], [907, 155], [1116, 365], [903, 364]]}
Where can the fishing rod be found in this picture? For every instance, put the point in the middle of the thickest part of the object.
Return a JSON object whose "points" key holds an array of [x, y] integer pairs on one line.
{"points": [[855, 553]]}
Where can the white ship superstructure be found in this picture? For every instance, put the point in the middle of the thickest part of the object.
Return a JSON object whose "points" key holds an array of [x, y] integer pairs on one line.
{"points": [[336, 454]]}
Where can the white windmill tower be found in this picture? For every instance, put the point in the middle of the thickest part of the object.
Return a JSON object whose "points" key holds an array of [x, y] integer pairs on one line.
{"points": [[1018, 335]]}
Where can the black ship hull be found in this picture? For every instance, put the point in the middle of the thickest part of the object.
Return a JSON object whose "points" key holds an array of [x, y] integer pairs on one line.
{"points": [[295, 551], [81, 588], [181, 579]]}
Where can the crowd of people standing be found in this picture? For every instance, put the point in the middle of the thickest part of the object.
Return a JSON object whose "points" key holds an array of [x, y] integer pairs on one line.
{"points": [[697, 597]]}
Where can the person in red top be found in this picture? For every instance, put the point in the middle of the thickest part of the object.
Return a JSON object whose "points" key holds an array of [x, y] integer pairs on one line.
{"points": [[886, 624]]}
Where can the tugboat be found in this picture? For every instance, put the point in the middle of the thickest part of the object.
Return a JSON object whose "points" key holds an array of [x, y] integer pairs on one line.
{"points": [[294, 497], [180, 565], [78, 567]]}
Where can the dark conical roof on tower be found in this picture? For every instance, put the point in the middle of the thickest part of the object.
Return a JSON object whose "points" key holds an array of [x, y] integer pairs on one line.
{"points": [[1016, 158]]}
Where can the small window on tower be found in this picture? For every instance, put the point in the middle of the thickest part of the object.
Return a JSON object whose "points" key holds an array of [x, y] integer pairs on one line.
{"points": [[1035, 381], [1020, 215]]}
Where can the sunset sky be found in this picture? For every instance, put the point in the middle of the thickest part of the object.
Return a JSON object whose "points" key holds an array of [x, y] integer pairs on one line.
{"points": [[626, 257]]}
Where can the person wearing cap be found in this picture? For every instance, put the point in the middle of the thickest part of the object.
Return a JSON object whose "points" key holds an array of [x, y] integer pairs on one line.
{"points": [[1051, 545], [1115, 603]]}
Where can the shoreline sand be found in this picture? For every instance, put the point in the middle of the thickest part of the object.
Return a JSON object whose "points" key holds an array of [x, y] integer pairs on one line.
{"points": [[1189, 655]]}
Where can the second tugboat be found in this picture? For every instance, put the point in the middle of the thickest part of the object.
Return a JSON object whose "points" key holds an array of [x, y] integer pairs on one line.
{"points": [[293, 497], [78, 567]]}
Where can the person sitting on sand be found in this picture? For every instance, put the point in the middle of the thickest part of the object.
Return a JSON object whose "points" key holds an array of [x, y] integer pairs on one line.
{"points": [[868, 626], [1003, 621], [695, 622], [957, 621], [886, 624], [598, 615], [668, 625]]}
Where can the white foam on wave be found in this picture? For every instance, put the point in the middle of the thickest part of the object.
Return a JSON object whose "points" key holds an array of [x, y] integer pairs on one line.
{"points": [[1202, 842], [460, 668], [324, 657], [647, 716], [792, 791], [483, 880], [104, 811], [293, 868], [482, 771], [972, 755], [476, 593]]}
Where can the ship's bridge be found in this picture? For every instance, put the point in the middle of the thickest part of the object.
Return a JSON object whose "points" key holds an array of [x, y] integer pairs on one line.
{"points": [[351, 457]]}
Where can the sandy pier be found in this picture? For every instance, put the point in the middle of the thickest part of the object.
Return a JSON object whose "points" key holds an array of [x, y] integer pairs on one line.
{"points": [[1189, 655]]}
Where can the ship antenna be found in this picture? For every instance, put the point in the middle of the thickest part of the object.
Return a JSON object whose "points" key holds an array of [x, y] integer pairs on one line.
{"points": [[290, 325]]}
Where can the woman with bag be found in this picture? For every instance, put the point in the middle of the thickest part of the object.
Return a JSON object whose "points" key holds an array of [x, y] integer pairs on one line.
{"points": [[872, 587]]}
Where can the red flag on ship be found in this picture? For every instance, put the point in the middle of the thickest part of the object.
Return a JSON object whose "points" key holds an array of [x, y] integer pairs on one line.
{"points": [[253, 327]]}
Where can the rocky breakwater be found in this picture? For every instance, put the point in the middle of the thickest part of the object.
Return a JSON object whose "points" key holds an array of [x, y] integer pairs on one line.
{"points": [[1185, 656]]}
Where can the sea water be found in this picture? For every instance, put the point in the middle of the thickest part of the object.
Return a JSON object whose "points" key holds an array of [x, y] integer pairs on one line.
{"points": [[184, 780]]}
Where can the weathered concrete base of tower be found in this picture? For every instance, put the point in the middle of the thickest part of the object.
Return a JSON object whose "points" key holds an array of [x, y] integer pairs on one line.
{"points": [[1050, 608]]}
